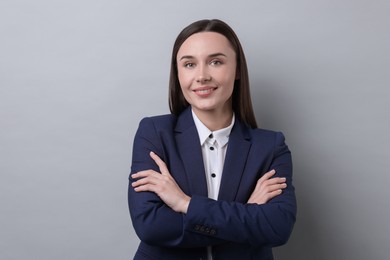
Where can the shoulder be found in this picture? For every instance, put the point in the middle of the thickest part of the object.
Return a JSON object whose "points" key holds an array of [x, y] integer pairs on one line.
{"points": [[266, 136], [159, 121], [261, 133], [154, 129], [264, 140], [169, 122]]}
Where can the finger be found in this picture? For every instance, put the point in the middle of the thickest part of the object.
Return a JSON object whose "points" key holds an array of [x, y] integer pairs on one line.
{"points": [[262, 199], [160, 163], [142, 174], [267, 175], [276, 180], [275, 187], [273, 194], [152, 179], [267, 178], [266, 190], [146, 187]]}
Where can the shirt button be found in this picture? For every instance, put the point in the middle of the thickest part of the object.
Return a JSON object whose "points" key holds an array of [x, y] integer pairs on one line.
{"points": [[211, 136], [212, 148], [213, 175]]}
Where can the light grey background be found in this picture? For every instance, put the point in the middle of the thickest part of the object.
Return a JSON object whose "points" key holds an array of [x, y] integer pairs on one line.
{"points": [[77, 76]]}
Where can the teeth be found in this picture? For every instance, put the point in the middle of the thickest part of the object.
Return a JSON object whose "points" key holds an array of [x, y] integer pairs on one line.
{"points": [[204, 91]]}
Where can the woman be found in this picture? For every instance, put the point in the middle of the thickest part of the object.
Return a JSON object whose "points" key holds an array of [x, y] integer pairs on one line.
{"points": [[205, 182]]}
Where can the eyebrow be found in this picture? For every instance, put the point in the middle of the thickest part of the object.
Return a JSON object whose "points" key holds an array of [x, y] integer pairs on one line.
{"points": [[210, 56]]}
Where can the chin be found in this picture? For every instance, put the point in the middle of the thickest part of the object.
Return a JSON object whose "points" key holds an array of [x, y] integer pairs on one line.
{"points": [[204, 108]]}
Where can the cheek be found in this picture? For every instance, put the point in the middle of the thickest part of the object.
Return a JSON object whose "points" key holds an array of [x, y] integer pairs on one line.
{"points": [[185, 80], [182, 78], [229, 81], [226, 76]]}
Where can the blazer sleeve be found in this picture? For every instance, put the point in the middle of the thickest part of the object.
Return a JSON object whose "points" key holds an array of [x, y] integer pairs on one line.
{"points": [[268, 224], [154, 222]]}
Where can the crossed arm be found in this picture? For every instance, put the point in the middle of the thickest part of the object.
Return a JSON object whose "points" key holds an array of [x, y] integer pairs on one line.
{"points": [[165, 186]]}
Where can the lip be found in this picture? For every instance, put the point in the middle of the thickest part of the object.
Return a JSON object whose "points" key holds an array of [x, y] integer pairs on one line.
{"points": [[204, 91]]}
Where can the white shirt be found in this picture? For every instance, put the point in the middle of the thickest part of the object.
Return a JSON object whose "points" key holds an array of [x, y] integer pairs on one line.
{"points": [[214, 146]]}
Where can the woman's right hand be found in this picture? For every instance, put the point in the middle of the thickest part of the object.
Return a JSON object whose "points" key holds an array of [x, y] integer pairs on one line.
{"points": [[267, 188], [164, 185]]}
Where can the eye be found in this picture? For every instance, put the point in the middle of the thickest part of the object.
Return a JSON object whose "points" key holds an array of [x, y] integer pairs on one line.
{"points": [[215, 62], [189, 65]]}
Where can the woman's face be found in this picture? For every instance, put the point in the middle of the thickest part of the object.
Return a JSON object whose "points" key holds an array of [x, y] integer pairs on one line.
{"points": [[207, 65]]}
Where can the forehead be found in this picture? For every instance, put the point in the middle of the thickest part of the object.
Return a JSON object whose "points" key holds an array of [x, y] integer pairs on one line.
{"points": [[205, 43]]}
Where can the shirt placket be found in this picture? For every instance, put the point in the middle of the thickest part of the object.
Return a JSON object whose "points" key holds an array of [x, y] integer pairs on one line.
{"points": [[212, 147]]}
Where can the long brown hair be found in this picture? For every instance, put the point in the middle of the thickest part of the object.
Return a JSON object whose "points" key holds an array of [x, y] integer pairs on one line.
{"points": [[241, 99]]}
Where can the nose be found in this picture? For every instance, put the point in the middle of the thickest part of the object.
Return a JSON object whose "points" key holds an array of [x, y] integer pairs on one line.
{"points": [[203, 75]]}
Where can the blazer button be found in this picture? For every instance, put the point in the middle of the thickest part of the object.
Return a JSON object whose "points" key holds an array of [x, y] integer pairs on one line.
{"points": [[202, 229]]}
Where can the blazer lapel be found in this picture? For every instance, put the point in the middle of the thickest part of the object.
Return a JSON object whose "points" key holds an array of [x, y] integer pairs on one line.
{"points": [[188, 143], [235, 161]]}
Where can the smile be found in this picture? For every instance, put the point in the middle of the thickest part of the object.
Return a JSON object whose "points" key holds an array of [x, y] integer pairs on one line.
{"points": [[204, 92]]}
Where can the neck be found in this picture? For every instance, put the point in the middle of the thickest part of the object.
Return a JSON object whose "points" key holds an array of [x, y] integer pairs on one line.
{"points": [[214, 120]]}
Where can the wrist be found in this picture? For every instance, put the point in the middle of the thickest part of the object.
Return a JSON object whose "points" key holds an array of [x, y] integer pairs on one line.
{"points": [[184, 205]]}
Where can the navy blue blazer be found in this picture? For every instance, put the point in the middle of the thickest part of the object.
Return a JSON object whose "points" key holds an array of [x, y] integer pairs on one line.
{"points": [[234, 229]]}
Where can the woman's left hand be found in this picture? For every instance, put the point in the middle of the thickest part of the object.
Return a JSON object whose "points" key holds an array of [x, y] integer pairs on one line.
{"points": [[164, 185], [267, 187]]}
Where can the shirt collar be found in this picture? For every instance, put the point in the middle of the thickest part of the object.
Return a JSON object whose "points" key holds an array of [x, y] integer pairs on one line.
{"points": [[221, 135]]}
